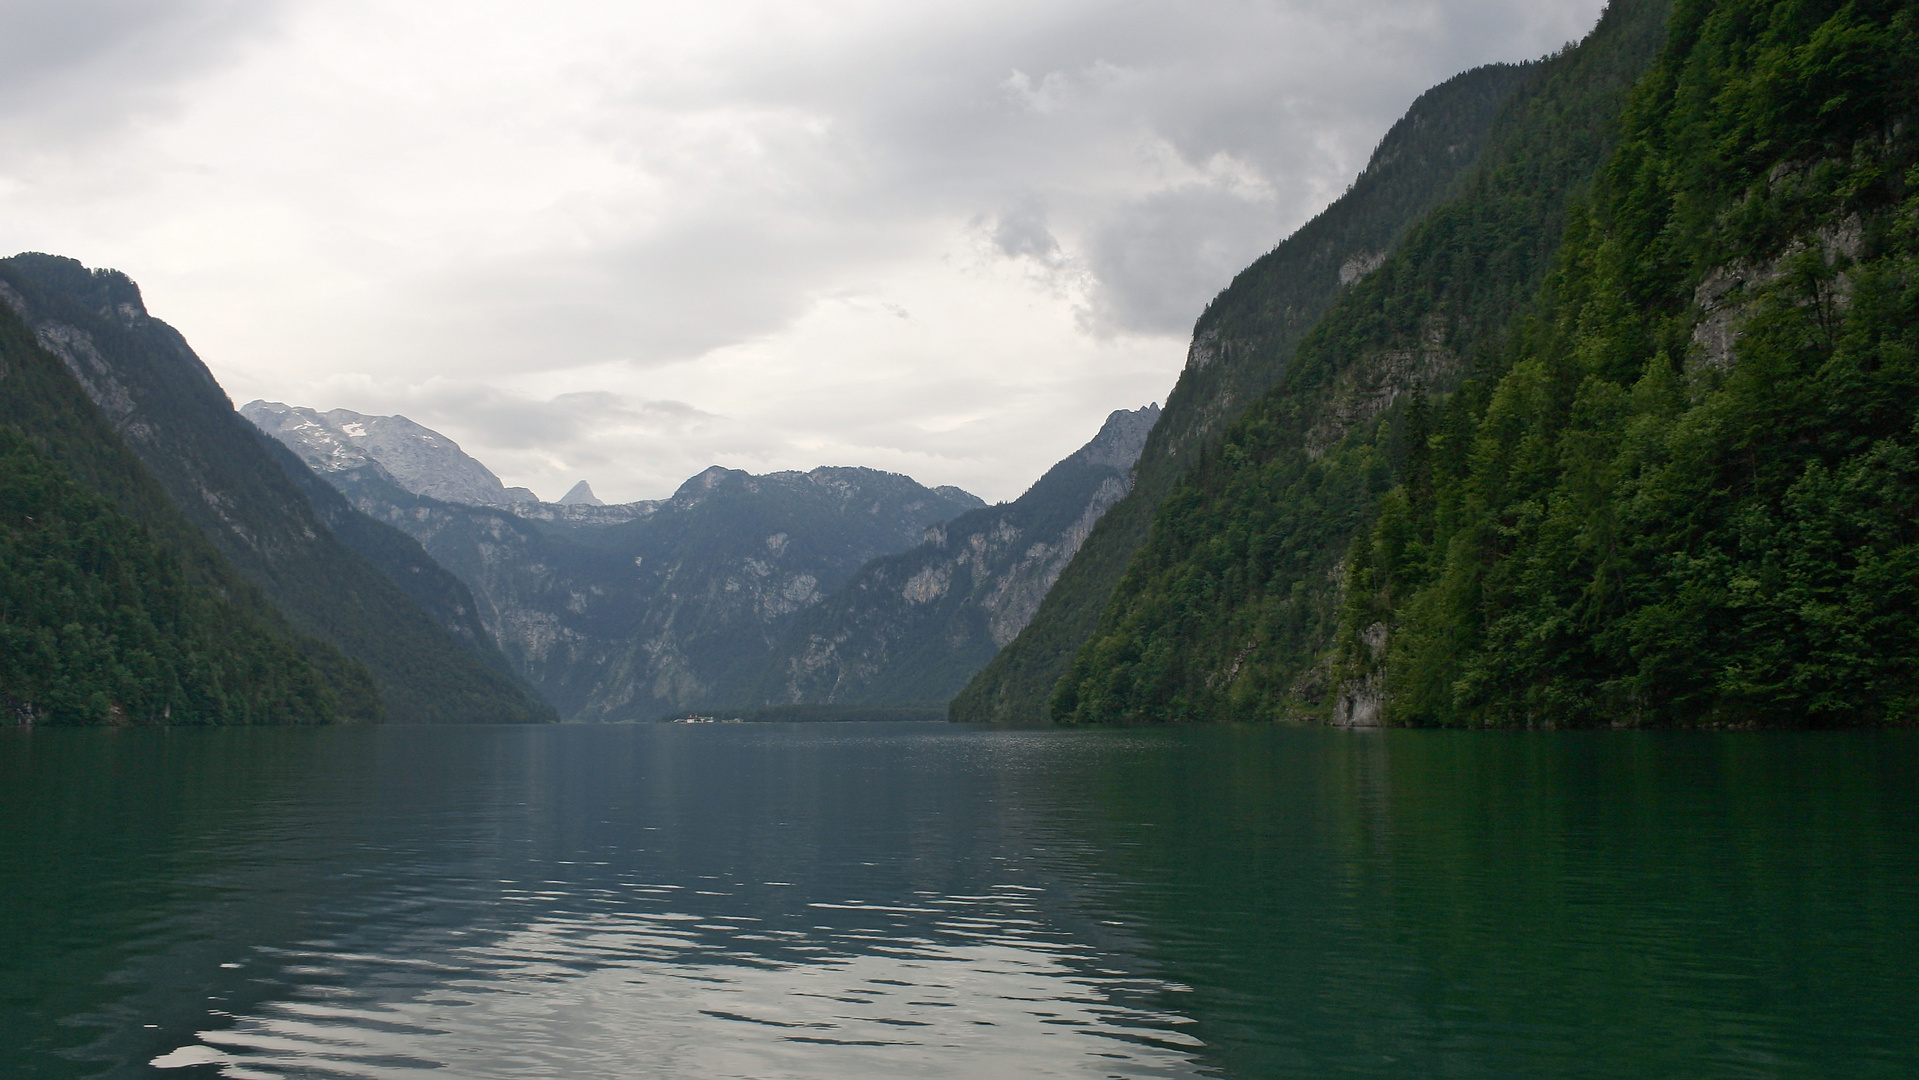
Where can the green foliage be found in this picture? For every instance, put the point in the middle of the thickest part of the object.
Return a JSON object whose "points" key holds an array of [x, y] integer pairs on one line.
{"points": [[223, 655], [1675, 481], [99, 623], [383, 654], [1242, 345], [1228, 609], [1692, 498]]}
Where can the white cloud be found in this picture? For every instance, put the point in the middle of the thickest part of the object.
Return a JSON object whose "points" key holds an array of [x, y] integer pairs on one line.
{"points": [[535, 227]]}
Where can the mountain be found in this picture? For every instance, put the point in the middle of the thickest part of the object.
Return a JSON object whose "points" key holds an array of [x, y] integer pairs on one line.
{"points": [[417, 458], [1246, 553], [113, 607], [1241, 346], [581, 494], [634, 610], [1623, 436], [1692, 494], [161, 401], [911, 628]]}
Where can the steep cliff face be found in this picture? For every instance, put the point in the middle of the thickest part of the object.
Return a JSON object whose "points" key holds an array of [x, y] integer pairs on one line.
{"points": [[912, 628], [1241, 346], [165, 405], [417, 458], [631, 611]]}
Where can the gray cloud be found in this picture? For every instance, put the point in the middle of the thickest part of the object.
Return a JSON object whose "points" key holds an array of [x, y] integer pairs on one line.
{"points": [[71, 68], [632, 447], [1020, 232], [1262, 114], [1160, 258], [483, 215]]}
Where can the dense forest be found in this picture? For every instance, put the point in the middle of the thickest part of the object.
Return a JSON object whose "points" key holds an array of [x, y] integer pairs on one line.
{"points": [[114, 608], [1625, 434], [98, 623]]}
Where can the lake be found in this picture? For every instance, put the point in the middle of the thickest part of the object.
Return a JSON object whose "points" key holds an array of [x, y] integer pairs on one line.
{"points": [[850, 901]]}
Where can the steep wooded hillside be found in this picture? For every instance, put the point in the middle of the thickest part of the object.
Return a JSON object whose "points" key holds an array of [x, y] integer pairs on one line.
{"points": [[1690, 494], [1241, 346], [166, 407], [113, 608], [1669, 483]]}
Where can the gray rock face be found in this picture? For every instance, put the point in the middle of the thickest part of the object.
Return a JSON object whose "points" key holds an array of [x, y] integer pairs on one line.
{"points": [[580, 495], [835, 586], [632, 611], [417, 458], [911, 629]]}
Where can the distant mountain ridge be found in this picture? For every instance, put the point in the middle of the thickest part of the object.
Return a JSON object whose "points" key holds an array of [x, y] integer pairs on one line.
{"points": [[912, 628], [580, 494], [740, 591], [630, 611], [417, 458]]}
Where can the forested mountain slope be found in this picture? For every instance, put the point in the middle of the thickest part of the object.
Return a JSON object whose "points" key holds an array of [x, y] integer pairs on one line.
{"points": [[113, 608], [1241, 345], [164, 404], [1691, 493], [1670, 482], [911, 628]]}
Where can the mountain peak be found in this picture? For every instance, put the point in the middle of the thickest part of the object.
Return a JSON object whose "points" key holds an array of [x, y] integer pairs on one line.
{"points": [[1121, 438], [416, 457], [581, 495]]}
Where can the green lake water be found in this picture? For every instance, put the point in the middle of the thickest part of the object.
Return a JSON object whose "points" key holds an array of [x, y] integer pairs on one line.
{"points": [[846, 901]]}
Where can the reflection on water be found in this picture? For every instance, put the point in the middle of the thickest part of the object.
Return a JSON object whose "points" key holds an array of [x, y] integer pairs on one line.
{"points": [[848, 901], [982, 994]]}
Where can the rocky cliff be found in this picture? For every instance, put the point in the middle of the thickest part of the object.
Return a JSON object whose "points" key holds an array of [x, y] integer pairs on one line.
{"points": [[912, 628], [632, 611], [417, 458]]}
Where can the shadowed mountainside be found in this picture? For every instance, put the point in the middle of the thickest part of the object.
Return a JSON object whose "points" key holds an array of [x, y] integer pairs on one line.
{"points": [[113, 607], [164, 404]]}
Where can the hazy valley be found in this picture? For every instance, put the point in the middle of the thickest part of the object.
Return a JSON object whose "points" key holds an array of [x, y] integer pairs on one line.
{"points": [[1410, 474]]}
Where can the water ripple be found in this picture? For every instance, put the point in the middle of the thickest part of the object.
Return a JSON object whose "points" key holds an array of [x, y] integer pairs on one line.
{"points": [[990, 993]]}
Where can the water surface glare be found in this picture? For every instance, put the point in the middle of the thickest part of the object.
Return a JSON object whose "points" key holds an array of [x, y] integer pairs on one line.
{"points": [[918, 900]]}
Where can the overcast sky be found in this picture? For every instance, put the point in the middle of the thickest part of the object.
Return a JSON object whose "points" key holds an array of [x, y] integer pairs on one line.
{"points": [[625, 241]]}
